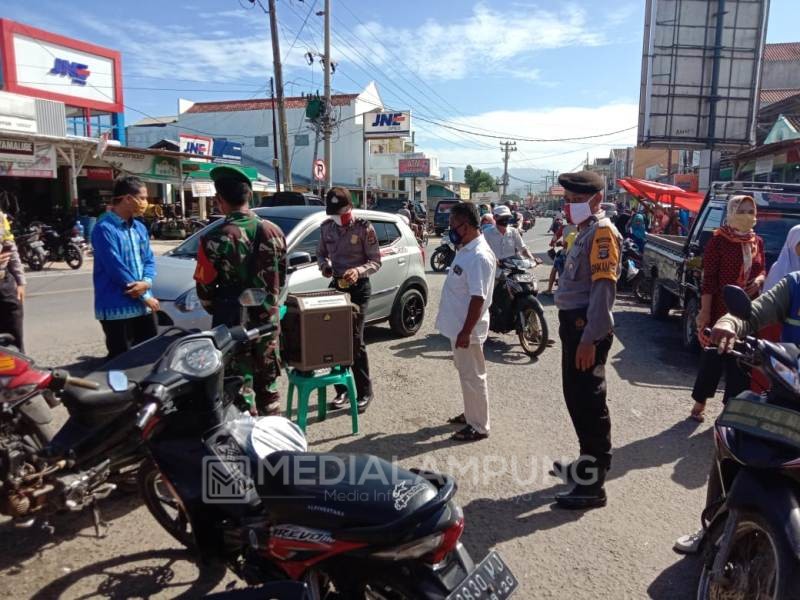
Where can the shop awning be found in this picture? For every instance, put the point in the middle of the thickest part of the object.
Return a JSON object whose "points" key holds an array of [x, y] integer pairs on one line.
{"points": [[662, 193], [201, 170]]}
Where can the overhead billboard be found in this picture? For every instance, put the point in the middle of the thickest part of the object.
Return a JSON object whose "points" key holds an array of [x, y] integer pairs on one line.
{"points": [[415, 167], [387, 124], [196, 144], [701, 72]]}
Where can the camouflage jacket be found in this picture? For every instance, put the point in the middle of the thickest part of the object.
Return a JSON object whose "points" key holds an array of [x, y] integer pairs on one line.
{"points": [[223, 260]]}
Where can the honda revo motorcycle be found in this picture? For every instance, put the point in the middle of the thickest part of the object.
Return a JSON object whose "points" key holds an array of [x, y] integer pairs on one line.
{"points": [[43, 471], [752, 541], [515, 306], [244, 491]]}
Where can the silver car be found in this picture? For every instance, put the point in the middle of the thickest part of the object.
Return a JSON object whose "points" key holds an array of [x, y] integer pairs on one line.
{"points": [[399, 289]]}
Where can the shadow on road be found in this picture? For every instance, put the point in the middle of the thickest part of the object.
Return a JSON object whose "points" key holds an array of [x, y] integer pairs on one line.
{"points": [[20, 544], [678, 581], [120, 578], [679, 443], [423, 347], [397, 446]]}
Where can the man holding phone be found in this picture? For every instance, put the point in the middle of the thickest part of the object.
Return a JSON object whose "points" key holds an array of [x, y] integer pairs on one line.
{"points": [[124, 269], [12, 284]]}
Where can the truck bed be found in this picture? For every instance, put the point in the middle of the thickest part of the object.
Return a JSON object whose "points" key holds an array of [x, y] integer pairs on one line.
{"points": [[664, 258]]}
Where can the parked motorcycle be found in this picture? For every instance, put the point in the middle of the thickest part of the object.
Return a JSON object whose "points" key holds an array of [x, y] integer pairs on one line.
{"points": [[515, 306], [42, 470], [67, 246], [31, 248], [245, 491], [752, 542], [443, 256], [632, 277]]}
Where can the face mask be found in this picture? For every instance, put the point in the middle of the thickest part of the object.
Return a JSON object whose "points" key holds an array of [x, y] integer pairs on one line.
{"points": [[742, 223], [578, 212], [343, 220], [486, 227], [455, 237]]}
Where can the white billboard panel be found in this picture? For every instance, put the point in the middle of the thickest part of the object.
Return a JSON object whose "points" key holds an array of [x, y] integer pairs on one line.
{"points": [[700, 74], [387, 125]]}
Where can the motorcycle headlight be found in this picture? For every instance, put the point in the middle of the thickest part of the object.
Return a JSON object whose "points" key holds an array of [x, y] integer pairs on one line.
{"points": [[196, 358], [790, 376], [188, 301]]}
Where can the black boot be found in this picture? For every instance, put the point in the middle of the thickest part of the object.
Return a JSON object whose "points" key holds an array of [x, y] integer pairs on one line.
{"points": [[589, 489], [563, 471]]}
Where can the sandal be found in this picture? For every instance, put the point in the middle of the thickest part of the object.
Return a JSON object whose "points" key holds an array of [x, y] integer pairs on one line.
{"points": [[459, 420], [698, 414], [469, 434]]}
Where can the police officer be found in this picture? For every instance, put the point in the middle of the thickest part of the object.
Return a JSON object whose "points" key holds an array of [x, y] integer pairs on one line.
{"points": [[349, 253], [585, 298], [244, 252], [12, 284]]}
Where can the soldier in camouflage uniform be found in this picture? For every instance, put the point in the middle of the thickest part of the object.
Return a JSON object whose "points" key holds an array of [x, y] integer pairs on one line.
{"points": [[244, 252]]}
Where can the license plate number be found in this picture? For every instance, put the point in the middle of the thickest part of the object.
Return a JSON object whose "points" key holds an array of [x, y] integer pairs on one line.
{"points": [[491, 580]]}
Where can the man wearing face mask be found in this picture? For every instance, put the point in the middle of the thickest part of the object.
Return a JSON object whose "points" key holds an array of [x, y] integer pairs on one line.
{"points": [[504, 240], [124, 269], [585, 298], [349, 253]]}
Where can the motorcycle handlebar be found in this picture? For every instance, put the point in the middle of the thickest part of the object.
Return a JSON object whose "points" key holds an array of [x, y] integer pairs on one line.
{"points": [[84, 383], [260, 331], [61, 379]]}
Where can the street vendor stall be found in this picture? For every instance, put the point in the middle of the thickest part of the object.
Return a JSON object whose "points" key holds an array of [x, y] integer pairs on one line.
{"points": [[662, 193]]}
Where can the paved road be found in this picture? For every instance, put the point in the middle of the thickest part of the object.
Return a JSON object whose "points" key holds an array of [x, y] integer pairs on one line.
{"points": [[656, 486]]}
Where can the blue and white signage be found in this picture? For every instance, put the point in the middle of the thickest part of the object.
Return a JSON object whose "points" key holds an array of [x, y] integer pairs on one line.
{"points": [[387, 124], [227, 152]]}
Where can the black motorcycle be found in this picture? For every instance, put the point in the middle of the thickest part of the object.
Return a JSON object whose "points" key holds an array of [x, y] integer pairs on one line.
{"points": [[515, 306], [42, 470], [632, 276], [67, 246], [443, 256], [32, 251], [752, 541], [245, 492]]}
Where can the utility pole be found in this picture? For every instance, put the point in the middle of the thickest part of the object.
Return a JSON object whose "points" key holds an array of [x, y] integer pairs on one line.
{"points": [[328, 111], [507, 148], [276, 65], [275, 160]]}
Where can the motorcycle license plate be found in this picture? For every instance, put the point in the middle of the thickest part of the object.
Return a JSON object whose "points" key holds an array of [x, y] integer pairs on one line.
{"points": [[491, 580], [37, 244]]}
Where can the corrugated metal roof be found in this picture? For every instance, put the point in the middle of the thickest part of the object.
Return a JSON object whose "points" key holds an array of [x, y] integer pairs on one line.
{"points": [[155, 121], [782, 52], [772, 96], [263, 104], [794, 121]]}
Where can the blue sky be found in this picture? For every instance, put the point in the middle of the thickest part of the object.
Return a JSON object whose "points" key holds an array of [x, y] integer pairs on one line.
{"points": [[539, 69]]}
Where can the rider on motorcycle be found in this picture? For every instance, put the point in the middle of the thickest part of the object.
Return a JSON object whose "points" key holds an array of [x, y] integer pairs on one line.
{"points": [[504, 240]]}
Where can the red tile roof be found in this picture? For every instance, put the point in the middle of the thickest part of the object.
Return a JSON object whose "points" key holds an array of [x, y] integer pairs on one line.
{"points": [[780, 52], [263, 104], [772, 96]]}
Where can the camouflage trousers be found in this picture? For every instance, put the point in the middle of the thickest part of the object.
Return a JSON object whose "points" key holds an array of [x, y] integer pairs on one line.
{"points": [[262, 363]]}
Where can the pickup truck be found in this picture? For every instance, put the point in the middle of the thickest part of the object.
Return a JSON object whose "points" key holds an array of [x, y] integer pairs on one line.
{"points": [[674, 264]]}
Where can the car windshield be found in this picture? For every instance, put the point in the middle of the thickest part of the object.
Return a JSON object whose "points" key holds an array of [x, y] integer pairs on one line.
{"points": [[189, 247], [389, 204], [773, 228]]}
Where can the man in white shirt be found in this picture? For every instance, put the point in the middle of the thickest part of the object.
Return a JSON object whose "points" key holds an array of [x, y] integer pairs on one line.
{"points": [[504, 240], [464, 317]]}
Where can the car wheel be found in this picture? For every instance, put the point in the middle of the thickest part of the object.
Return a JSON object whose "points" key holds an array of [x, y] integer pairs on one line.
{"points": [[660, 302], [408, 313]]}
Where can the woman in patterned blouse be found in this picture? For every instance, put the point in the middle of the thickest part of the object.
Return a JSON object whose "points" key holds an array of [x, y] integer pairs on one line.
{"points": [[733, 256]]}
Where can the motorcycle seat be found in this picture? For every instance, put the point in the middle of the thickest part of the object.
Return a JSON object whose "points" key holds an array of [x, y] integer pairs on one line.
{"points": [[354, 495]]}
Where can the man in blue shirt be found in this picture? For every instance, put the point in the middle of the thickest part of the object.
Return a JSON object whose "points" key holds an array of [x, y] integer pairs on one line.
{"points": [[124, 268]]}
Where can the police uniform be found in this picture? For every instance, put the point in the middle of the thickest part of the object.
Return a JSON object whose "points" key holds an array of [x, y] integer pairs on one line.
{"points": [[245, 252], [354, 246], [12, 276], [585, 299]]}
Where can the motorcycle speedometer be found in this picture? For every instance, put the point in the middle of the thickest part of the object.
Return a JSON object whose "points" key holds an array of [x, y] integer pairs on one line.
{"points": [[196, 358]]}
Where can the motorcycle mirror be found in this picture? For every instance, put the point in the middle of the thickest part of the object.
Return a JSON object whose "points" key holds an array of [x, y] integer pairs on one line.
{"points": [[117, 381], [252, 297], [737, 301]]}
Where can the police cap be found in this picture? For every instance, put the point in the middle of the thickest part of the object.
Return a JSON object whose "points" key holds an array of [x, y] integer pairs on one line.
{"points": [[582, 182], [336, 199], [229, 172]]}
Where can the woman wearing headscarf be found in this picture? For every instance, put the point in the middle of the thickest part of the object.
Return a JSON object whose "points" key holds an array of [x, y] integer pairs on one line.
{"points": [[733, 256], [788, 260], [638, 230]]}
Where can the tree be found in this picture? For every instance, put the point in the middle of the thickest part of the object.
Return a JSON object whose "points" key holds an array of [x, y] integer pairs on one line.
{"points": [[479, 181]]}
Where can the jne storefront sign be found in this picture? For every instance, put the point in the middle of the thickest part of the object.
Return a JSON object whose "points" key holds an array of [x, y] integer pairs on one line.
{"points": [[196, 144], [387, 124]]}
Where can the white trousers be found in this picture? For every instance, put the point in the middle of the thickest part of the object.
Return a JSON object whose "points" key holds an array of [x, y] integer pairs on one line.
{"points": [[471, 367]]}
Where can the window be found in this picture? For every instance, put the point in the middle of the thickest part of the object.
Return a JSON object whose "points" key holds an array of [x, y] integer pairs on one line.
{"points": [[388, 233], [309, 244], [261, 141], [301, 139]]}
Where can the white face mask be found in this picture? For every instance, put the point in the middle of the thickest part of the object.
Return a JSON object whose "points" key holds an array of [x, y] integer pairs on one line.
{"points": [[578, 212], [337, 219]]}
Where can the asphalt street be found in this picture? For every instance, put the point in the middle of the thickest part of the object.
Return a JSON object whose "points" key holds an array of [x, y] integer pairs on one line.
{"points": [[656, 486]]}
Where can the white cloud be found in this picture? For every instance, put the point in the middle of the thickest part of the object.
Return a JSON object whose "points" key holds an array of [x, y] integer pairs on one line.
{"points": [[487, 40], [548, 123]]}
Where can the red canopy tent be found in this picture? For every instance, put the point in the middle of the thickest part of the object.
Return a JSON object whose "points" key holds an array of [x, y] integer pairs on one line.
{"points": [[662, 193]]}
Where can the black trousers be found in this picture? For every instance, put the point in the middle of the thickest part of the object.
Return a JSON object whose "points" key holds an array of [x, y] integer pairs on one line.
{"points": [[712, 365], [11, 310], [360, 293], [585, 391], [122, 334]]}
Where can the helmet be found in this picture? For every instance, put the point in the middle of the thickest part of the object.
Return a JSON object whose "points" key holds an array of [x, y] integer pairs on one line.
{"points": [[502, 211]]}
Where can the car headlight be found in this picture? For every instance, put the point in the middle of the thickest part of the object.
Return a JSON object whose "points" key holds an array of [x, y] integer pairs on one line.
{"points": [[196, 358], [790, 376], [188, 301]]}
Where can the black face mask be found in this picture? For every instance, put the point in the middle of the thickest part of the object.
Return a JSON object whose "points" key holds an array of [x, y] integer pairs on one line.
{"points": [[503, 222]]}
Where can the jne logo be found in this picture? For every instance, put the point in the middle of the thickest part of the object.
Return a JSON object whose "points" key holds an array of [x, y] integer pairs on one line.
{"points": [[390, 119], [77, 72]]}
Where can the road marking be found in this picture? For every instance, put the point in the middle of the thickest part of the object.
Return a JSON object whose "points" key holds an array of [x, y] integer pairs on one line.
{"points": [[28, 275], [55, 292]]}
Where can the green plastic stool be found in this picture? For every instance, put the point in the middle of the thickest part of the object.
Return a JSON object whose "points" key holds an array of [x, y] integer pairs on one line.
{"points": [[306, 383]]}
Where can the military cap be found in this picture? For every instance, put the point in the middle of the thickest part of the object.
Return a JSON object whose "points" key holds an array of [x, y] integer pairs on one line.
{"points": [[582, 182], [229, 172]]}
